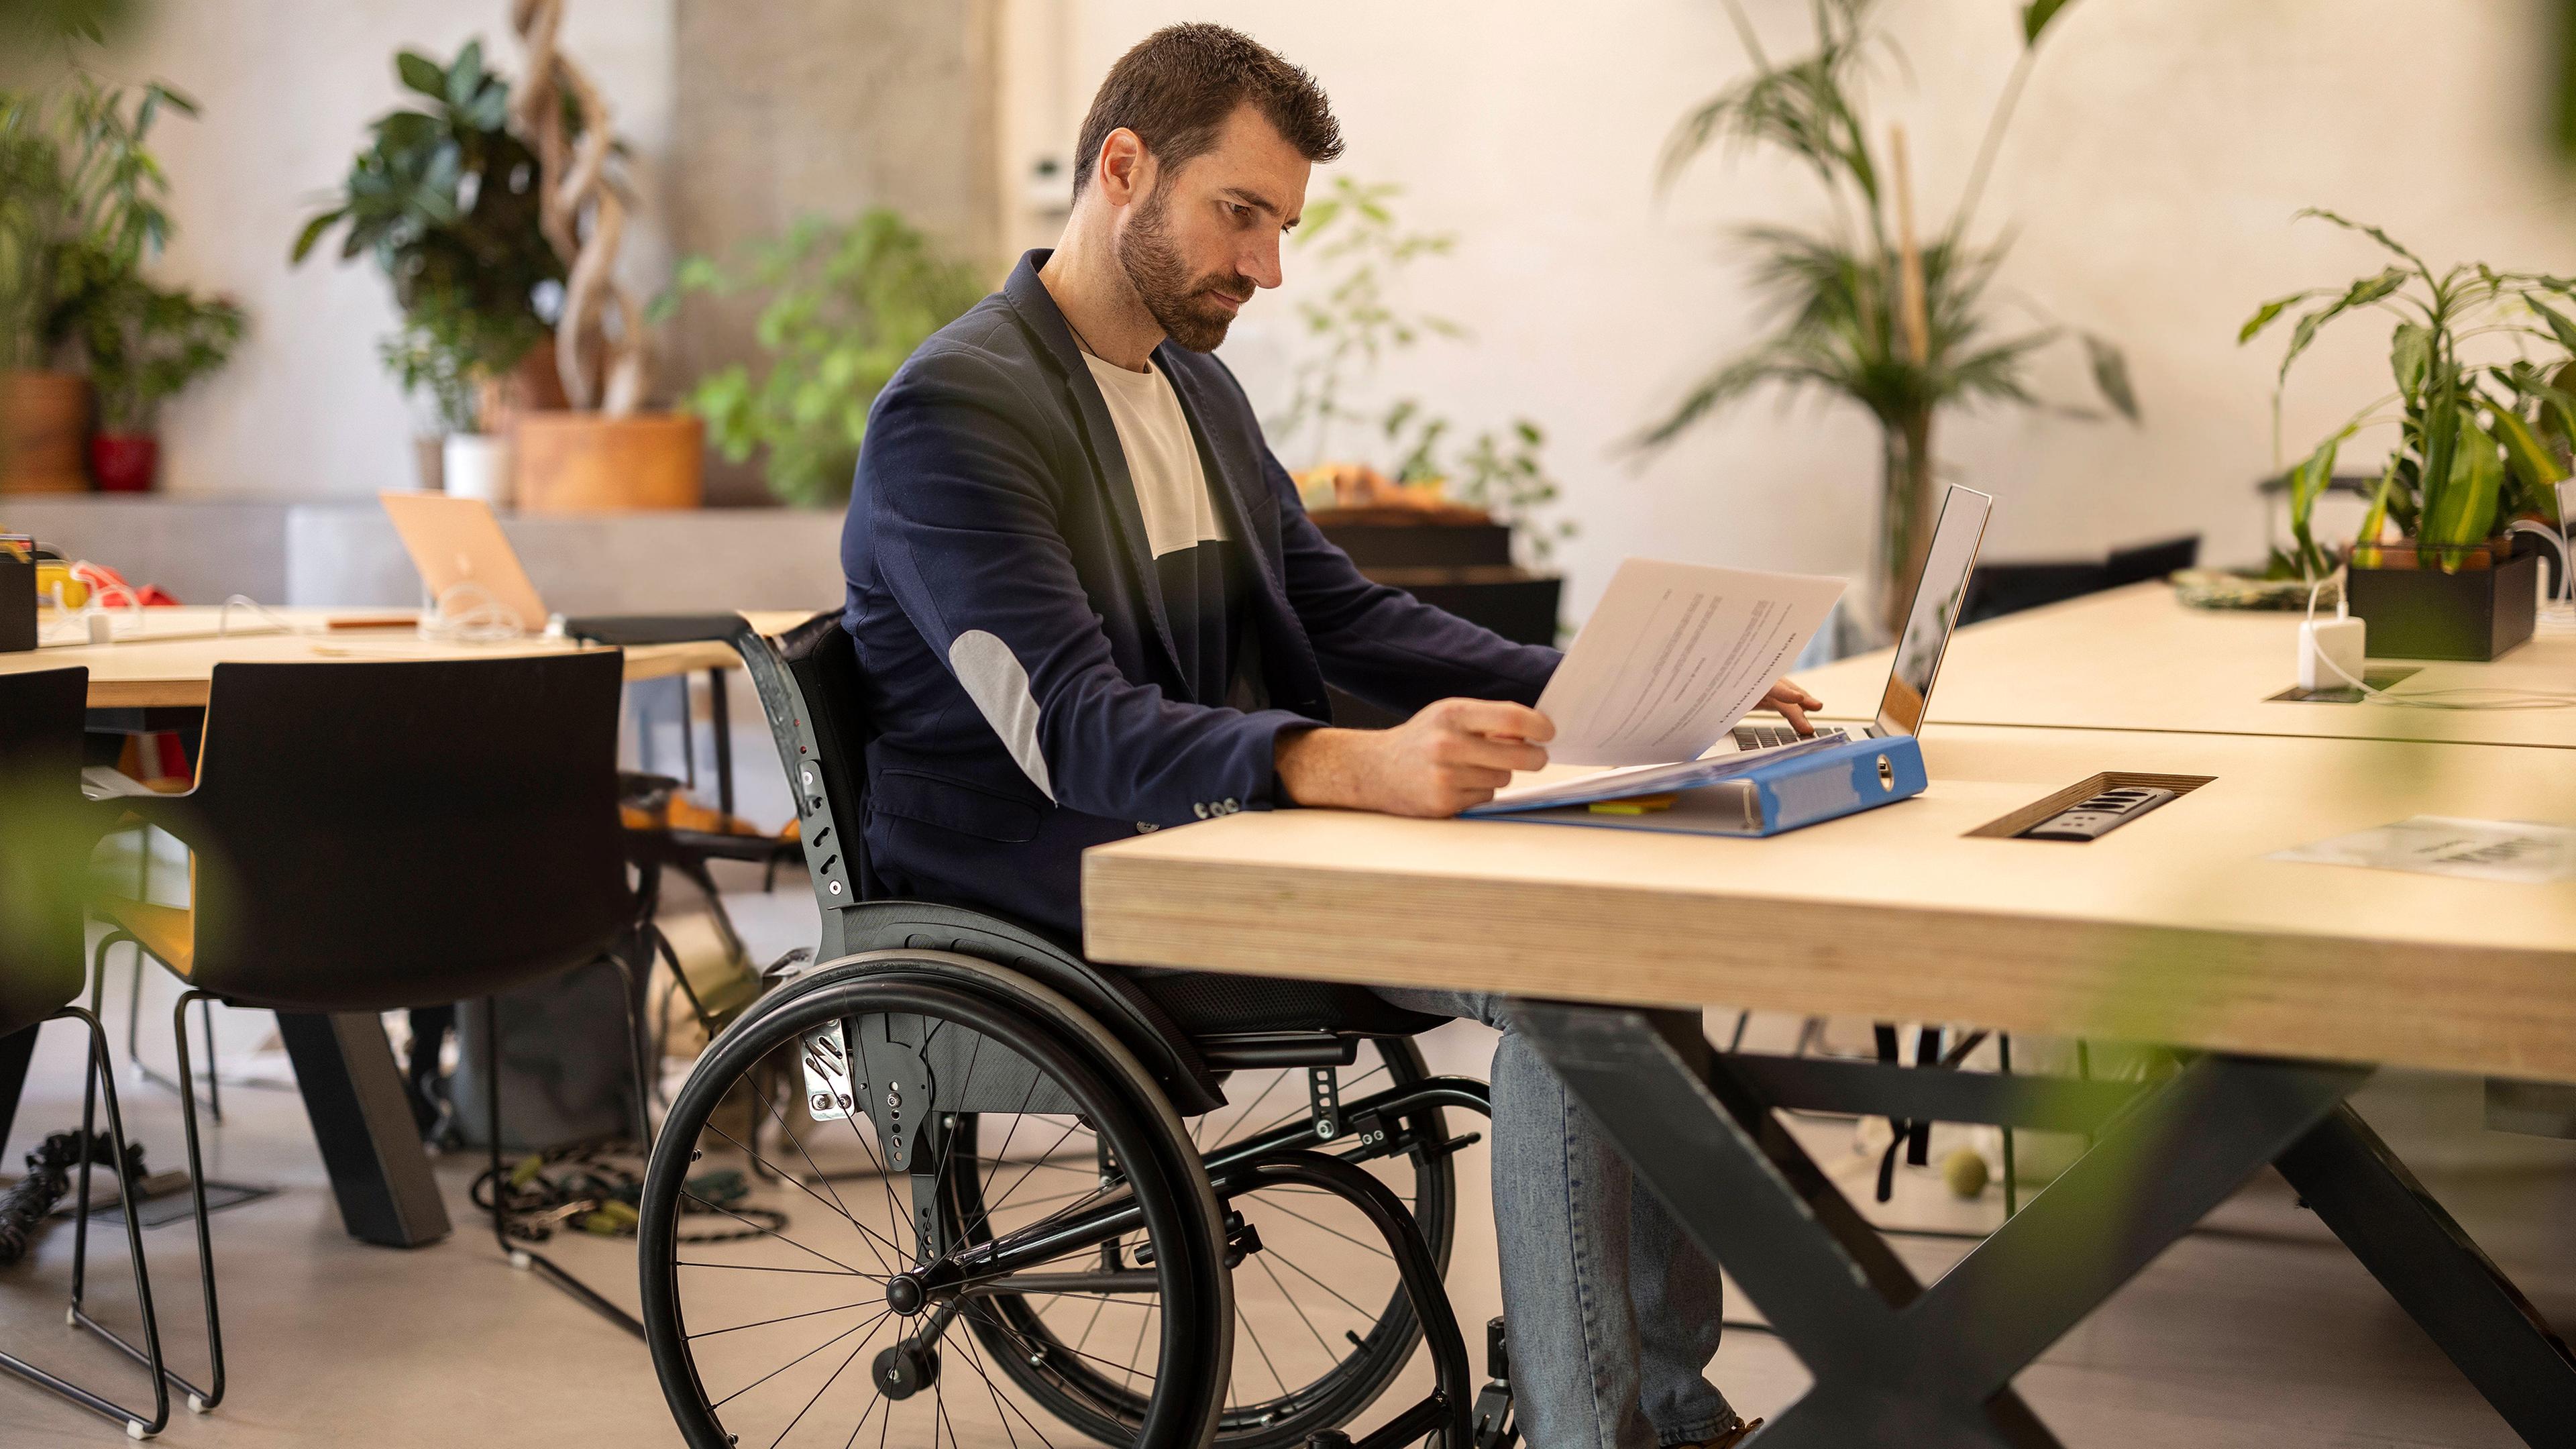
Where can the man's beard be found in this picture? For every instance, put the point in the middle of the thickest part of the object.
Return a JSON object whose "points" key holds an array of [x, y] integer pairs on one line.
{"points": [[1184, 306]]}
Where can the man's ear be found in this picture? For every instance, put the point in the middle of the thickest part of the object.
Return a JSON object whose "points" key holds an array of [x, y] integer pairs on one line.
{"points": [[1124, 167]]}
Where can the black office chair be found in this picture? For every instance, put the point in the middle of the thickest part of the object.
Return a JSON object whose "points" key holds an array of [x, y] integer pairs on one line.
{"points": [[1071, 1189], [372, 837], [46, 833]]}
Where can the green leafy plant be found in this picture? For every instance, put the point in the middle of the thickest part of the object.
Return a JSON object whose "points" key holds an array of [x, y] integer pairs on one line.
{"points": [[846, 303], [2480, 439], [1356, 323], [81, 197], [1868, 311], [145, 343], [444, 198]]}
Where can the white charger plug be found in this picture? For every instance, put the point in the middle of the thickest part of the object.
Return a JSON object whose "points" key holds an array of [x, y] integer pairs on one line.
{"points": [[2331, 651]]}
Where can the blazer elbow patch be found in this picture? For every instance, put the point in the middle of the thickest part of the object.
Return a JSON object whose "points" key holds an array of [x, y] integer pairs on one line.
{"points": [[994, 679]]}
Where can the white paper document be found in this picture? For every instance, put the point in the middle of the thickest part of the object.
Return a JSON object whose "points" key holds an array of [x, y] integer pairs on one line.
{"points": [[2505, 850], [1675, 654]]}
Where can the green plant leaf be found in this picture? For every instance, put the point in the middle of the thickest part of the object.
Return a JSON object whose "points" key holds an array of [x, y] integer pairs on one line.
{"points": [[2111, 375], [2559, 325], [418, 72], [2530, 460], [2465, 511], [2410, 356], [2036, 15], [2265, 315], [2360, 294], [312, 232]]}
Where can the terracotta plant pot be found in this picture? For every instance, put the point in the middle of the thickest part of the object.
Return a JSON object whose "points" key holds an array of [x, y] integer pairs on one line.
{"points": [[583, 463], [124, 462], [44, 417]]}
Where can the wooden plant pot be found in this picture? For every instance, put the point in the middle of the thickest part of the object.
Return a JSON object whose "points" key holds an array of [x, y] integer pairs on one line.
{"points": [[2476, 610], [573, 462], [44, 423]]}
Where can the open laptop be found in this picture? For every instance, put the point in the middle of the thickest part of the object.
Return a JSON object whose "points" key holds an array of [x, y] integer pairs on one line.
{"points": [[1928, 621], [457, 542]]}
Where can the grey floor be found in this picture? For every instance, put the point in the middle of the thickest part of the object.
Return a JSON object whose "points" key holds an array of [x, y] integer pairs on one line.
{"points": [[2257, 1331]]}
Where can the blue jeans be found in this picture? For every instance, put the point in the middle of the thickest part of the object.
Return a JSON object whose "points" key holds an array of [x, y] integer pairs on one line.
{"points": [[1613, 1311]]}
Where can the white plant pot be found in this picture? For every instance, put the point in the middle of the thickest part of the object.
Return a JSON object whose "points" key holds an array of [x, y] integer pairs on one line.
{"points": [[477, 465]]}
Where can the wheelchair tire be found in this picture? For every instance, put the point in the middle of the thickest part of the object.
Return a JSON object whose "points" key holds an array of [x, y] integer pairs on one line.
{"points": [[726, 1321], [1328, 1358]]}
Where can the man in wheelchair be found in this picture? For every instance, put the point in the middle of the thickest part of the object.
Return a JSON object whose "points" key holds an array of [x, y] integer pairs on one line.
{"points": [[1087, 603]]}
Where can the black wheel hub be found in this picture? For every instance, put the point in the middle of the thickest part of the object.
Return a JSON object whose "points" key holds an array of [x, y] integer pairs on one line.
{"points": [[906, 1369], [907, 1294]]}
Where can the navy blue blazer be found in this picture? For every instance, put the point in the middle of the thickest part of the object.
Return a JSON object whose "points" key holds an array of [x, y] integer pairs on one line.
{"points": [[1018, 660]]}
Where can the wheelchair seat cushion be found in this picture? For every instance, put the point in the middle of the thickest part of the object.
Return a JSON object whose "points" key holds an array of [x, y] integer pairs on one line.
{"points": [[1213, 1003]]}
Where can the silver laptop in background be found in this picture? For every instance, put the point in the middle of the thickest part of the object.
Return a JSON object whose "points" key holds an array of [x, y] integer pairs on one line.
{"points": [[1929, 619]]}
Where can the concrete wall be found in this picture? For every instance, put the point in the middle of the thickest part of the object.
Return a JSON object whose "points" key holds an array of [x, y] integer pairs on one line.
{"points": [[2161, 151], [825, 108]]}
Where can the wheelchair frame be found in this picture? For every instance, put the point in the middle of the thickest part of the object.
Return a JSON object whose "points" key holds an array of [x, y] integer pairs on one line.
{"points": [[854, 931]]}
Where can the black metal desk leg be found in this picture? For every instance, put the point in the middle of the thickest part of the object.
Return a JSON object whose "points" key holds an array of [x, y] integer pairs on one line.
{"points": [[363, 1123], [2437, 1274], [1895, 1364], [16, 1050]]}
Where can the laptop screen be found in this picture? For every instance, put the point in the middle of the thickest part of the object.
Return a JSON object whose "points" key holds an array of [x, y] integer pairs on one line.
{"points": [[1937, 596]]}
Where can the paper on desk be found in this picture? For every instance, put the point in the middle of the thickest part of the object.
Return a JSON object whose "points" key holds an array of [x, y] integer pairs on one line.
{"points": [[2505, 850], [1675, 654]]}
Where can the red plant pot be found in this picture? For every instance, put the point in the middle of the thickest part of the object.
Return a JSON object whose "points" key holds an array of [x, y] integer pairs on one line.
{"points": [[124, 463]]}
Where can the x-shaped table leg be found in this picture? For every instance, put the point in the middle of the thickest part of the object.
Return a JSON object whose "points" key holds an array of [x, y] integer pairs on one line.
{"points": [[1897, 1363]]}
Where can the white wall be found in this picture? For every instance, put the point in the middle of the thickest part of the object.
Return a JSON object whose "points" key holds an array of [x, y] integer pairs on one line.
{"points": [[2161, 150], [287, 87]]}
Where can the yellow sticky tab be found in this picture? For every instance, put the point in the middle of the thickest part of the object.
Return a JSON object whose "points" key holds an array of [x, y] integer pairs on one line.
{"points": [[1634, 805]]}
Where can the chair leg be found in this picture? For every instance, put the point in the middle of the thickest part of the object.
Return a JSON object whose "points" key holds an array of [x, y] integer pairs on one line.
{"points": [[100, 1079], [134, 1017], [202, 1401], [522, 1255], [214, 1079]]}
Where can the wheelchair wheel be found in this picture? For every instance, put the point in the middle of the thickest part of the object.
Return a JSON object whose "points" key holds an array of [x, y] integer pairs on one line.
{"points": [[1321, 1323], [822, 1306]]}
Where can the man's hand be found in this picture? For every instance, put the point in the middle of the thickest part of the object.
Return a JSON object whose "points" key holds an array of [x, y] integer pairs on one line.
{"points": [[1453, 754], [1792, 703]]}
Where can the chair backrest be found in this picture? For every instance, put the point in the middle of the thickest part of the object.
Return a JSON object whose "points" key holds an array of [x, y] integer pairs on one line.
{"points": [[374, 835], [825, 664], [46, 833]]}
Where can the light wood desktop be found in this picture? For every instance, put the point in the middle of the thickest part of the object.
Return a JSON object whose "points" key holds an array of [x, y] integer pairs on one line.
{"points": [[2294, 979], [2172, 929], [172, 662], [2136, 658]]}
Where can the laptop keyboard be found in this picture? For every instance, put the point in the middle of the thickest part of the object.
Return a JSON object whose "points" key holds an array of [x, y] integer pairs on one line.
{"points": [[1763, 737]]}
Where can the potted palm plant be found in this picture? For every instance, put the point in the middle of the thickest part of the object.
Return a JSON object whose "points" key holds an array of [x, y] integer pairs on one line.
{"points": [[444, 198], [2483, 415], [1872, 311]]}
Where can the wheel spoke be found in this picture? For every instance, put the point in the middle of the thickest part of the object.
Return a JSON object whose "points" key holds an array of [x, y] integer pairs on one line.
{"points": [[1336, 1232], [867, 1327], [976, 1362], [819, 1393], [782, 1237], [1318, 1282], [834, 1203], [788, 1318], [1258, 1348], [1264, 1260]]}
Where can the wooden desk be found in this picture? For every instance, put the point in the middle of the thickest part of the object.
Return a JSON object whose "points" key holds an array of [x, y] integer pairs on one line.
{"points": [[2174, 929], [173, 663], [2135, 658]]}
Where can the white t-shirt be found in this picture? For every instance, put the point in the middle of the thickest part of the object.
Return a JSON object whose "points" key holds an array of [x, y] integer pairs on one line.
{"points": [[1162, 456], [1195, 566]]}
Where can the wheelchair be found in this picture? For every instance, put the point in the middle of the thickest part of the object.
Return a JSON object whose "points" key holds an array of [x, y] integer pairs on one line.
{"points": [[945, 1174]]}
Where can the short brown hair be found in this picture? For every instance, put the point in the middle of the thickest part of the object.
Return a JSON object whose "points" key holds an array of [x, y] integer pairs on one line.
{"points": [[1178, 85]]}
